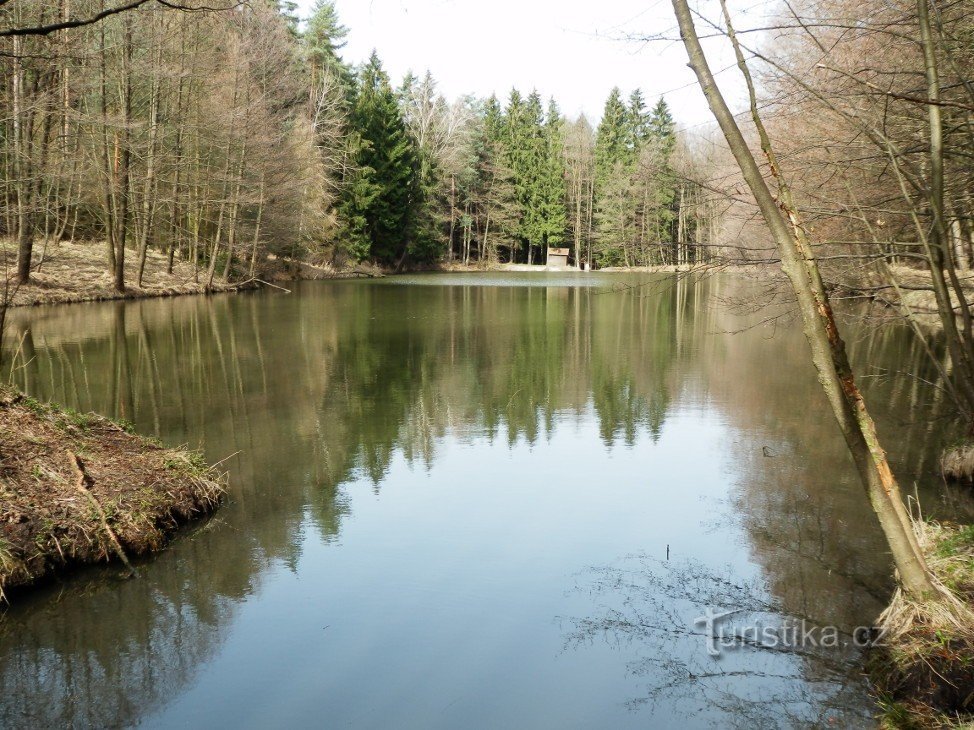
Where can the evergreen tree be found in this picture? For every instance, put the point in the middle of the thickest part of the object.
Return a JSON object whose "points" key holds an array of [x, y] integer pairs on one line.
{"points": [[389, 160], [427, 239], [494, 193], [662, 127], [289, 11], [535, 224], [553, 189], [358, 194], [493, 120], [613, 167], [324, 38], [517, 136], [613, 217], [334, 91], [638, 123], [663, 133], [610, 138]]}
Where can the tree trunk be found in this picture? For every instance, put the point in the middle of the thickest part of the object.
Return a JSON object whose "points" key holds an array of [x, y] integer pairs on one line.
{"points": [[107, 157], [828, 350], [124, 182], [25, 220], [148, 194]]}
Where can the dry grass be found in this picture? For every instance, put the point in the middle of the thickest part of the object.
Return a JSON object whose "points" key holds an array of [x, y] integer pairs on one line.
{"points": [[134, 493], [925, 670], [957, 463], [78, 272], [917, 288]]}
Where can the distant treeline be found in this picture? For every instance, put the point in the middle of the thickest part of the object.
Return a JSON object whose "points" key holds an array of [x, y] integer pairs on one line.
{"points": [[222, 135]]}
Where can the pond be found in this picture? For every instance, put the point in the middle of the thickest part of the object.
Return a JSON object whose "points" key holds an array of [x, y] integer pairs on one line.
{"points": [[472, 501]]}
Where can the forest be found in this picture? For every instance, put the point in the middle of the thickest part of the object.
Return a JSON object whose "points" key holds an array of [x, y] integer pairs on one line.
{"points": [[232, 144], [223, 137]]}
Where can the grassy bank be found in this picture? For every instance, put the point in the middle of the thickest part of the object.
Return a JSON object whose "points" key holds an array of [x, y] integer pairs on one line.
{"points": [[924, 669], [78, 489], [78, 272]]}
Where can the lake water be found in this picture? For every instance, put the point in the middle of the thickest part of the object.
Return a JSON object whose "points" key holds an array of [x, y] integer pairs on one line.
{"points": [[475, 501]]}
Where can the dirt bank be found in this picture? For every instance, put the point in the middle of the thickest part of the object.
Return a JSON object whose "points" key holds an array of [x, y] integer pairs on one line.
{"points": [[66, 272], [923, 669], [77, 272], [78, 489]]}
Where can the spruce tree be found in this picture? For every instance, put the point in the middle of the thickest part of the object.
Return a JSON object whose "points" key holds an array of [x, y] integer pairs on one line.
{"points": [[388, 157], [534, 175], [610, 138], [638, 124], [517, 136], [553, 190], [661, 125], [663, 133], [494, 189], [333, 90], [613, 167]]}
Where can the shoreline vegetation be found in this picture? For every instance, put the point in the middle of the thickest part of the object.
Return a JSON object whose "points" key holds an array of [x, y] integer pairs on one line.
{"points": [[924, 603], [234, 147], [923, 671], [79, 489], [74, 273]]}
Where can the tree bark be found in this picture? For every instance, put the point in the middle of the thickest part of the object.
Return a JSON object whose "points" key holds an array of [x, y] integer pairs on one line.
{"points": [[828, 349]]}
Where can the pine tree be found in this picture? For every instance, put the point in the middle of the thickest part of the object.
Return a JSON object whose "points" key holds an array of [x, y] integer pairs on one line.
{"points": [[324, 38], [638, 124], [494, 193], [613, 167], [388, 157], [553, 189]]}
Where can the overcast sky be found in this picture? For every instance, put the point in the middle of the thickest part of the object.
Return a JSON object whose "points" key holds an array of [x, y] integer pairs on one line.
{"points": [[572, 50]]}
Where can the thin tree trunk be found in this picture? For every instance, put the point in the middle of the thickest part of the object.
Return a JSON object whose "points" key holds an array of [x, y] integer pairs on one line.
{"points": [[125, 157], [453, 215], [260, 213], [107, 157], [828, 350], [25, 233], [148, 194]]}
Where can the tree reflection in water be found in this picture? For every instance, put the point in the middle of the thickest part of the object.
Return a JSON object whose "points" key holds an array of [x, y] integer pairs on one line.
{"points": [[333, 385]]}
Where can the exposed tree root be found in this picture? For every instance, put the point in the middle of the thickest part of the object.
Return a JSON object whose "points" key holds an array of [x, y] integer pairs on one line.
{"points": [[83, 484]]}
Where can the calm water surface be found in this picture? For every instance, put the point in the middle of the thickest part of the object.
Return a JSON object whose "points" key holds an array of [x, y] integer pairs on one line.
{"points": [[451, 503]]}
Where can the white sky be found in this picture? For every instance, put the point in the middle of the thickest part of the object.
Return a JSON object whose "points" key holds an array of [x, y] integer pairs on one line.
{"points": [[572, 50]]}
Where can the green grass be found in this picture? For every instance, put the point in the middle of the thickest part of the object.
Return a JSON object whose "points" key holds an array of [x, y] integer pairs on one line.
{"points": [[960, 542], [190, 461], [82, 421], [897, 716], [34, 405]]}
